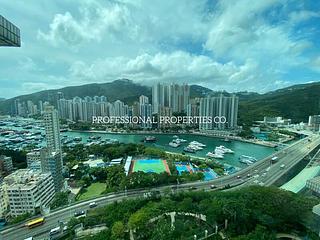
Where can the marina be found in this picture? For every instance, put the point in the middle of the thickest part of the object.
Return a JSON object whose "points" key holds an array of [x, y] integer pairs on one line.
{"points": [[14, 135]]}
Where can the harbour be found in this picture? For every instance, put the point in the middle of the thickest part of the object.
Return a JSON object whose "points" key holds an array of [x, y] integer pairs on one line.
{"points": [[22, 133]]}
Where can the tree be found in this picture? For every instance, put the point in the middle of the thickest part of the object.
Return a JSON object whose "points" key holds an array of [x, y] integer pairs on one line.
{"points": [[138, 219], [260, 233], [73, 222], [155, 152], [20, 218], [118, 230], [115, 176], [60, 199]]}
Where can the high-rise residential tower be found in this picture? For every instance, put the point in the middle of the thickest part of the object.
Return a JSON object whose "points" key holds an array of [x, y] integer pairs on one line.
{"points": [[219, 107], [52, 161], [174, 96], [51, 120]]}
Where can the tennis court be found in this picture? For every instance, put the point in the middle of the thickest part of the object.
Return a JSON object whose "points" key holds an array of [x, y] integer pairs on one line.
{"points": [[150, 165], [209, 174]]}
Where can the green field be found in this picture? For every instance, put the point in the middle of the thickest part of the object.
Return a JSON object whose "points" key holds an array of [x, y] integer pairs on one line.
{"points": [[94, 190], [150, 165]]}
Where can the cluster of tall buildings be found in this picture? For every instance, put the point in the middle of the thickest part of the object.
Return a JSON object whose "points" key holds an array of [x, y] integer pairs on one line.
{"points": [[32, 189], [30, 108], [84, 109], [173, 96], [219, 107], [27, 108], [167, 100]]}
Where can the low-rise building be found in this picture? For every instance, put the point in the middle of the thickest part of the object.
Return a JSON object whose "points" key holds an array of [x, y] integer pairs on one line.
{"points": [[28, 191], [314, 185], [314, 123], [275, 121], [95, 163]]}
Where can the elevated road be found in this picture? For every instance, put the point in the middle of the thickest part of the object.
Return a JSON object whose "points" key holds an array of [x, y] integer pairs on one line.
{"points": [[262, 172]]}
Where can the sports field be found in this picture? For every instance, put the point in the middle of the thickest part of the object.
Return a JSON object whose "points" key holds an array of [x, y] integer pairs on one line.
{"points": [[150, 165], [184, 167]]}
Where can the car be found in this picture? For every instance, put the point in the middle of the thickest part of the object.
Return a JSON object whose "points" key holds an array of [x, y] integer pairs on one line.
{"points": [[92, 204], [248, 175], [65, 228], [238, 176], [79, 214], [264, 174], [54, 231], [192, 188], [213, 186]]}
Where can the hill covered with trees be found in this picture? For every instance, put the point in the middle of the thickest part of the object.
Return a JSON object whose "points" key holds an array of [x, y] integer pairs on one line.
{"points": [[253, 213]]}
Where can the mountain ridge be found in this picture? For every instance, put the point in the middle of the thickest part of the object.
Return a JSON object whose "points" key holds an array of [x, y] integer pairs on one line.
{"points": [[296, 101]]}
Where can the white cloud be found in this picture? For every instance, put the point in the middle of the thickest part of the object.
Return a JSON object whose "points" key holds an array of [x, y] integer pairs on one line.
{"points": [[94, 23], [232, 45], [178, 66], [303, 15]]}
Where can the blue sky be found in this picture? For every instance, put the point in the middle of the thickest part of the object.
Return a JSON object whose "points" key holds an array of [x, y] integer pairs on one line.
{"points": [[232, 45]]}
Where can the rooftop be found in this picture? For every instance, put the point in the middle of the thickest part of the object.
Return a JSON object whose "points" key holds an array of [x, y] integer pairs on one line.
{"points": [[24, 178]]}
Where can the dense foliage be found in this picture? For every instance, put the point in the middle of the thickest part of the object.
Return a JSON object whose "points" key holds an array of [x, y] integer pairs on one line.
{"points": [[252, 213], [60, 199], [295, 102]]}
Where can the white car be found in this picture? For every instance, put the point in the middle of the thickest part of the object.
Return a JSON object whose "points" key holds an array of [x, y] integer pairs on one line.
{"points": [[93, 204]]}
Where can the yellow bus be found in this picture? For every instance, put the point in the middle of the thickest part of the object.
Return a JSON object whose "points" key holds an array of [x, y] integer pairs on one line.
{"points": [[35, 222]]}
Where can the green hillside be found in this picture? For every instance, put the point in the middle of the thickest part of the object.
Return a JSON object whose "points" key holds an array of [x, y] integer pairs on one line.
{"points": [[295, 102], [122, 89]]}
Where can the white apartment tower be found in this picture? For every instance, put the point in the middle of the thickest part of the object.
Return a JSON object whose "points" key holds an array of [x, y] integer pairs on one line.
{"points": [[175, 96], [52, 161], [51, 120], [219, 106]]}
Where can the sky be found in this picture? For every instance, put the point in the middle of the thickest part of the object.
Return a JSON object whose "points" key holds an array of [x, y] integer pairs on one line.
{"points": [[241, 45]]}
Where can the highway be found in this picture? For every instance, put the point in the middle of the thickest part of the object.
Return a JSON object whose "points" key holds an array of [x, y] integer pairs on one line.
{"points": [[261, 172]]}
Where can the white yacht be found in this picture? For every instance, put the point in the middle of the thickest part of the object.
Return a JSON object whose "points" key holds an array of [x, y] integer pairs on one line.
{"points": [[174, 144], [214, 155], [195, 147], [197, 144], [224, 149]]}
